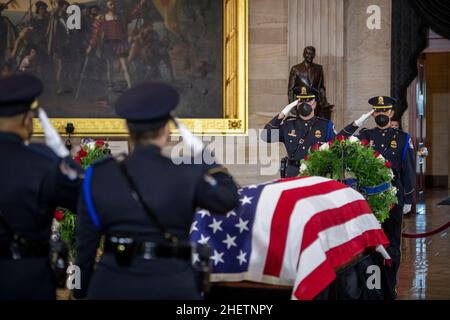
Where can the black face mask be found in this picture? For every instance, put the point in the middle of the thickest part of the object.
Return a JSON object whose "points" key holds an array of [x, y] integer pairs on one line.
{"points": [[382, 120], [305, 109]]}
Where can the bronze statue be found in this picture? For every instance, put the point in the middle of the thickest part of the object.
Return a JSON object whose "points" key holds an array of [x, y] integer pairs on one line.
{"points": [[309, 74]]}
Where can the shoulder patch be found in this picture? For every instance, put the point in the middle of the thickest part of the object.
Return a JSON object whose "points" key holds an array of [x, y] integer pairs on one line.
{"points": [[322, 119]]}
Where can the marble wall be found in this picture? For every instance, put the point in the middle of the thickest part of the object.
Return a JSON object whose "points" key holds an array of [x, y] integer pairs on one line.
{"points": [[356, 59]]}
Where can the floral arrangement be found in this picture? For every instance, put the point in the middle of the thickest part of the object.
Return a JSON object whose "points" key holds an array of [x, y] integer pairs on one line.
{"points": [[356, 164], [91, 151]]}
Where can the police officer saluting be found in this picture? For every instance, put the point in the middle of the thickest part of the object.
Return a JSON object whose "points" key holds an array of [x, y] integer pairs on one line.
{"points": [[301, 130], [144, 206], [34, 180], [298, 131], [397, 147]]}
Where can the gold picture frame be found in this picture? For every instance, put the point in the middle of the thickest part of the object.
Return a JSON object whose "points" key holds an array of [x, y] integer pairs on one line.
{"points": [[235, 91]]}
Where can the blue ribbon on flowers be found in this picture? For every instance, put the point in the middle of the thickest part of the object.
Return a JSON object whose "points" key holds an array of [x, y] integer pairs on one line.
{"points": [[370, 191]]}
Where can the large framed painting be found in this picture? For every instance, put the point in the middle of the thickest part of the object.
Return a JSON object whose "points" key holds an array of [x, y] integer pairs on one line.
{"points": [[199, 46]]}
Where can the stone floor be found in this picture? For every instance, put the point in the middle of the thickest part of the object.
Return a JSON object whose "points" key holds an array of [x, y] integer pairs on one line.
{"points": [[425, 267]]}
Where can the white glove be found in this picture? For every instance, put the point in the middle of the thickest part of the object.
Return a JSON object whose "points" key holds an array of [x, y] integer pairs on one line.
{"points": [[363, 119], [189, 139], [407, 208], [289, 107], [52, 138]]}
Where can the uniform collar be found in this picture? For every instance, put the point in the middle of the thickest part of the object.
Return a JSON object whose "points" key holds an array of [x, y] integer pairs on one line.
{"points": [[310, 121], [387, 130], [147, 149], [9, 136]]}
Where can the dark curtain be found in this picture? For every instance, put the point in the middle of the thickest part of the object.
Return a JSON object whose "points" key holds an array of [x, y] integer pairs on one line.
{"points": [[409, 39], [436, 14], [411, 20]]}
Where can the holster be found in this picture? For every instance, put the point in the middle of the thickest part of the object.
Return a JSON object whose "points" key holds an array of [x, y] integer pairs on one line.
{"points": [[59, 261], [124, 249], [202, 267], [283, 167]]}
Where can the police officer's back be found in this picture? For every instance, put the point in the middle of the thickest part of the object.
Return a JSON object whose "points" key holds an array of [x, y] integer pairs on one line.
{"points": [[32, 184], [171, 192]]}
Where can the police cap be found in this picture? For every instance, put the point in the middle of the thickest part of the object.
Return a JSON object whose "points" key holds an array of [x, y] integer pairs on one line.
{"points": [[148, 105], [305, 93], [17, 94], [382, 103]]}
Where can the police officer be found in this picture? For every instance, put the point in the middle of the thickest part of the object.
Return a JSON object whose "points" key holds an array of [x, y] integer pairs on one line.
{"points": [[146, 236], [397, 147], [300, 130], [34, 180]]}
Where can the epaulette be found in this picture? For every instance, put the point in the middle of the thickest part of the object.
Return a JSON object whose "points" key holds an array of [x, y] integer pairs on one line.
{"points": [[399, 131], [322, 119], [43, 151], [291, 118], [218, 169]]}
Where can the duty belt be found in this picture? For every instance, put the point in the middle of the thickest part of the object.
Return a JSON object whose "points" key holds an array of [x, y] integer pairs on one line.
{"points": [[32, 249], [147, 250], [295, 163]]}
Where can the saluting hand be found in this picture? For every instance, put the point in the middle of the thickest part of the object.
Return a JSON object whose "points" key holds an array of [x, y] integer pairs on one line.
{"points": [[52, 138], [363, 119]]}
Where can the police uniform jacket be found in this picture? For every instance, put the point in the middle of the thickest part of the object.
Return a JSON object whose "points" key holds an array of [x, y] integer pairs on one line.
{"points": [[107, 207], [31, 187], [298, 136]]}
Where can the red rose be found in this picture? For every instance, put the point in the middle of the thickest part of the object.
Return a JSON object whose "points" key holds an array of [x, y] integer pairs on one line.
{"points": [[59, 215], [389, 164], [364, 142], [315, 147], [331, 143], [100, 143], [376, 154], [77, 159], [340, 138], [82, 153], [307, 157]]}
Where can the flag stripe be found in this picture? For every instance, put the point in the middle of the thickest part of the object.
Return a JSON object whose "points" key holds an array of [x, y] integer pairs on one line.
{"points": [[349, 239], [324, 274], [331, 238], [330, 218], [304, 210], [281, 218], [263, 216]]}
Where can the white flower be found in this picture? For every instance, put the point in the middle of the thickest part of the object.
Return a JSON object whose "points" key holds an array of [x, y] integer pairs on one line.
{"points": [[393, 191], [353, 139], [380, 157], [303, 168], [391, 175], [324, 147]]}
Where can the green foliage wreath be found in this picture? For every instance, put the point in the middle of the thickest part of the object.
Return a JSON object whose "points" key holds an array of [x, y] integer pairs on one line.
{"points": [[90, 151], [354, 163]]}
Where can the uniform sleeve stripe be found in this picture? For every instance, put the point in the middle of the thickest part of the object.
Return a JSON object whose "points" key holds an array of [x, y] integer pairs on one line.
{"points": [[405, 150], [330, 127], [88, 197]]}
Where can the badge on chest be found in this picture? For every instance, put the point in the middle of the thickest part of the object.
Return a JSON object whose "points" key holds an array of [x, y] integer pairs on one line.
{"points": [[318, 134]]}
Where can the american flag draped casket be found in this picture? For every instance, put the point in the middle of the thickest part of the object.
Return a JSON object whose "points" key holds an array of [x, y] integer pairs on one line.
{"points": [[294, 232]]}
